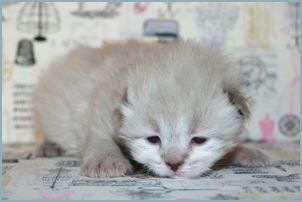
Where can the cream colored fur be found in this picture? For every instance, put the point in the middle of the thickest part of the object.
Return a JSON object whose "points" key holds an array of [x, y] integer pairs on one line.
{"points": [[93, 99]]}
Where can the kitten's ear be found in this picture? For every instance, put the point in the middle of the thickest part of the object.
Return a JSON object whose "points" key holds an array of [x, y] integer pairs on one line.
{"points": [[239, 100], [125, 105], [125, 97], [129, 96]]}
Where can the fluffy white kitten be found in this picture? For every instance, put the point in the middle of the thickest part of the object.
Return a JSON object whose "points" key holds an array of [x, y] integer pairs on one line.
{"points": [[178, 108]]}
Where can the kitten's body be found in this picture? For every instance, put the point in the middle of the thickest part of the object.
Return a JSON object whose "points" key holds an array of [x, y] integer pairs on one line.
{"points": [[88, 101], [65, 93]]}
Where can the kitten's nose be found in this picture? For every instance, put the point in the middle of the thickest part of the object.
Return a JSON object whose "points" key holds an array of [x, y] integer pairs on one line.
{"points": [[174, 166]]}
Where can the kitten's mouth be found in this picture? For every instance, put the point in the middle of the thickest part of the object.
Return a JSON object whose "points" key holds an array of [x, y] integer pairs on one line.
{"points": [[176, 174]]}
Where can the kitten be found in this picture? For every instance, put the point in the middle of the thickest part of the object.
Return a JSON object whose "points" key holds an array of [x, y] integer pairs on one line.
{"points": [[177, 107]]}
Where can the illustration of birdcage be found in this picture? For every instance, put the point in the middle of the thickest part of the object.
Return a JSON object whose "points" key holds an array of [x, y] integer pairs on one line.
{"points": [[41, 18]]}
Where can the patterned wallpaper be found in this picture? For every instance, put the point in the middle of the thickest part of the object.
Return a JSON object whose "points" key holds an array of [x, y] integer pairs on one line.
{"points": [[263, 37]]}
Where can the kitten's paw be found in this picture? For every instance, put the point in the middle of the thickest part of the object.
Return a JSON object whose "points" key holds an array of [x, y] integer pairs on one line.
{"points": [[47, 149], [108, 166], [250, 158]]}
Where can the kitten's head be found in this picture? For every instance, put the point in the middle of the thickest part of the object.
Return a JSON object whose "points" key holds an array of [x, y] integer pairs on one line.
{"points": [[179, 121]]}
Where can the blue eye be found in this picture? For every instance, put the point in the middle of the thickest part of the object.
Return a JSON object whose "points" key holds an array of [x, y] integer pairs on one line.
{"points": [[198, 140], [154, 139]]}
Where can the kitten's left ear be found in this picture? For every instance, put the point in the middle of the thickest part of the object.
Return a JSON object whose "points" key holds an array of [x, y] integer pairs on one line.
{"points": [[239, 100], [125, 104], [125, 98]]}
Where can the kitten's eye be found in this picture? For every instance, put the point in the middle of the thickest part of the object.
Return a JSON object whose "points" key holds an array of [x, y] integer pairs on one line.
{"points": [[198, 140], [154, 139]]}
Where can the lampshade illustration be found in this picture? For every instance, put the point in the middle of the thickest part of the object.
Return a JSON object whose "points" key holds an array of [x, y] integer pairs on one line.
{"points": [[161, 28], [25, 53], [39, 18], [164, 28], [105, 10]]}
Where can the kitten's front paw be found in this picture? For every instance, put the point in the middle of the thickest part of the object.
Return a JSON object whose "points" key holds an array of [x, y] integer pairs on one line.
{"points": [[250, 158], [108, 166]]}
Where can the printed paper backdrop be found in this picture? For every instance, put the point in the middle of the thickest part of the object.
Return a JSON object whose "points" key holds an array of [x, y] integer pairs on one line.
{"points": [[262, 36]]}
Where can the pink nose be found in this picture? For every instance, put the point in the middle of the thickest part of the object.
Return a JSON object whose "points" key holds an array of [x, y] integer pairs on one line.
{"points": [[174, 166]]}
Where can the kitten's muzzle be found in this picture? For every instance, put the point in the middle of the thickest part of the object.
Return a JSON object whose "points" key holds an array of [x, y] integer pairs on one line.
{"points": [[174, 157], [174, 166]]}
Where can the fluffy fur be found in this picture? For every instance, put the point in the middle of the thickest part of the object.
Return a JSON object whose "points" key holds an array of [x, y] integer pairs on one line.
{"points": [[95, 99]]}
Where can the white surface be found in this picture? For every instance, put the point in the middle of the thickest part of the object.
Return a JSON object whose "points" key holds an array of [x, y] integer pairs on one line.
{"points": [[58, 178]]}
